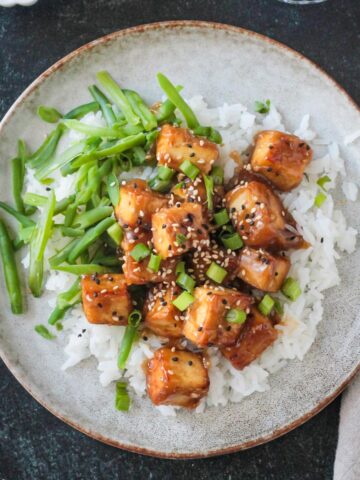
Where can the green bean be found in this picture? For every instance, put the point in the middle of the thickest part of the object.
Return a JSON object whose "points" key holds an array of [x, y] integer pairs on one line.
{"points": [[138, 105], [70, 214], [150, 139], [22, 219], [11, 275], [57, 314], [139, 156], [82, 110], [118, 97], [48, 114], [72, 232], [89, 238], [38, 243], [44, 332], [62, 254], [108, 261], [83, 269], [17, 179], [134, 320], [87, 219], [94, 131], [47, 149], [63, 204], [166, 109], [209, 133], [105, 105], [70, 297], [116, 233], [113, 189], [106, 167], [173, 95]]}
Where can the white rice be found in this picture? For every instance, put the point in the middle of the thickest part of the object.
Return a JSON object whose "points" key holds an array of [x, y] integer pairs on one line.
{"points": [[315, 268]]}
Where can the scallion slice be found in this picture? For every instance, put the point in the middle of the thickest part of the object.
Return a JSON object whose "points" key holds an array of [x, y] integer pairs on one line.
{"points": [[221, 217], [44, 332], [139, 252], [266, 305], [236, 316], [183, 301], [154, 263], [216, 273], [322, 181], [159, 185], [278, 306], [232, 241], [122, 399], [291, 289], [189, 169], [180, 238], [180, 268], [165, 173], [319, 199], [186, 282]]}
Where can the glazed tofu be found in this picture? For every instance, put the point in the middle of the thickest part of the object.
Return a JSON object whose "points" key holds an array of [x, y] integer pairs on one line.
{"points": [[190, 191], [137, 203], [177, 377], [205, 322], [257, 335], [263, 270], [161, 316], [260, 217], [106, 299], [178, 229], [281, 158], [175, 144], [138, 273]]}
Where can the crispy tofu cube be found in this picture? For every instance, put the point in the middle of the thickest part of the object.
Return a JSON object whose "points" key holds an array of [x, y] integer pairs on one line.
{"points": [[177, 377], [263, 270], [175, 144], [195, 191], [178, 229], [205, 321], [281, 158], [138, 273], [137, 203], [260, 217], [106, 299], [257, 335], [161, 316]]}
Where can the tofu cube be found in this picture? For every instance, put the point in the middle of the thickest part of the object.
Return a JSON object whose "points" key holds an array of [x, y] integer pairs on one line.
{"points": [[177, 377], [205, 322], [161, 316], [176, 144], [106, 299], [178, 229], [137, 203], [281, 158], [263, 270], [257, 335], [195, 191]]}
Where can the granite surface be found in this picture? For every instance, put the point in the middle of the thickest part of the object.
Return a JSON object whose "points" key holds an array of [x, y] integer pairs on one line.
{"points": [[33, 443]]}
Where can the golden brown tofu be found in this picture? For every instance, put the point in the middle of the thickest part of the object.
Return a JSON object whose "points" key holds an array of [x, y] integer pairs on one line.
{"points": [[257, 335], [106, 299], [161, 316], [137, 203], [205, 321], [200, 260], [177, 377], [138, 273], [281, 158], [260, 217], [178, 229], [263, 270], [195, 191], [175, 144]]}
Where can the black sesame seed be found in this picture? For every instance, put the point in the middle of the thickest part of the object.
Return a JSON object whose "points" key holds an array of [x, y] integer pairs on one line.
{"points": [[242, 207], [228, 328], [200, 329], [100, 305], [192, 154], [175, 359], [276, 274], [190, 362], [164, 304], [95, 294], [126, 225], [145, 338], [199, 231], [322, 240], [224, 301], [48, 189], [269, 169], [233, 210], [169, 247], [163, 225], [97, 281]]}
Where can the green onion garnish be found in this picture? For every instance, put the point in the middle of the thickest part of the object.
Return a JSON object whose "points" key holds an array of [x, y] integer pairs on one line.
{"points": [[159, 185], [261, 107], [183, 301], [209, 187], [44, 332], [186, 282], [122, 399], [216, 273], [278, 306], [221, 217], [139, 252], [236, 316], [233, 241], [266, 305], [180, 238], [116, 233], [59, 326], [134, 320], [322, 181], [180, 268], [217, 173], [48, 114], [291, 289], [319, 199], [165, 173], [154, 262], [189, 169]]}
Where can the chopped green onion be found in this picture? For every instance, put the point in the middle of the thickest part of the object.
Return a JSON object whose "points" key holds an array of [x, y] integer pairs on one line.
{"points": [[189, 169], [186, 282], [236, 316], [165, 173], [216, 273], [183, 301], [154, 262], [319, 199], [266, 305], [322, 181], [122, 399], [48, 114], [233, 241], [134, 320], [116, 233], [180, 268], [44, 332], [261, 107], [59, 326], [139, 252], [159, 185], [209, 187], [291, 289], [221, 217], [278, 306], [217, 173], [180, 238]]}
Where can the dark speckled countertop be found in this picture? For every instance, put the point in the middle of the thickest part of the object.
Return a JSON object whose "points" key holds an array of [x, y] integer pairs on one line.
{"points": [[33, 443]]}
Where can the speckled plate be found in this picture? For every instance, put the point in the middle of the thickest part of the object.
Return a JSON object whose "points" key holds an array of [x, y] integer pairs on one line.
{"points": [[225, 64]]}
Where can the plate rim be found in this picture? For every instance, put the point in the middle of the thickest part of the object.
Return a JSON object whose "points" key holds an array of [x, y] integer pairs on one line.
{"points": [[171, 24]]}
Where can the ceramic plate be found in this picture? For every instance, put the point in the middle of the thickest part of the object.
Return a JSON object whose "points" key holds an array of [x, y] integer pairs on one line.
{"points": [[224, 64]]}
